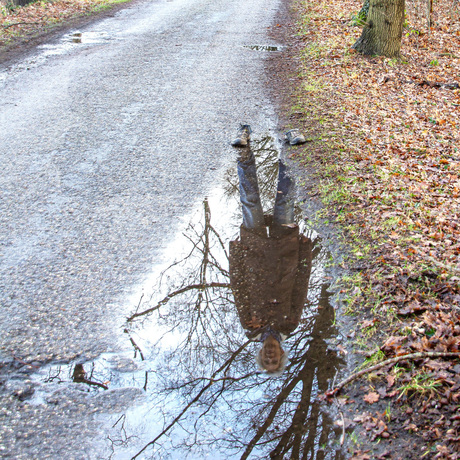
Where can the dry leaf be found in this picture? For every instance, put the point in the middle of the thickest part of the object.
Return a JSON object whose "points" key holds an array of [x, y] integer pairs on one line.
{"points": [[390, 380], [371, 397]]}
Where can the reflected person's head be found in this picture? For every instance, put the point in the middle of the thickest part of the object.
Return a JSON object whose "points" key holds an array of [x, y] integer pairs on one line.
{"points": [[271, 356]]}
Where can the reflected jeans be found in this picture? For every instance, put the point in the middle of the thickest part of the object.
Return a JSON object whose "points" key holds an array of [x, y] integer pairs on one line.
{"points": [[253, 215]]}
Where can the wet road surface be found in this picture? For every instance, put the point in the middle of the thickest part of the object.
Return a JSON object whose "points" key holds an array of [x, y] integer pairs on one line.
{"points": [[105, 145], [116, 166]]}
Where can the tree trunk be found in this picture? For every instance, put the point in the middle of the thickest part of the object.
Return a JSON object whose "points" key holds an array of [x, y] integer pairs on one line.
{"points": [[17, 2], [382, 32], [429, 11]]}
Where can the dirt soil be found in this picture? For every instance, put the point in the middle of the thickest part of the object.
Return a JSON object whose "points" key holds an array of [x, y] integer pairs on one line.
{"points": [[381, 168]]}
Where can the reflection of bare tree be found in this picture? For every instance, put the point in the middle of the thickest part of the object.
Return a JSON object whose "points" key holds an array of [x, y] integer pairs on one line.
{"points": [[122, 440], [299, 437], [217, 379], [56, 376], [200, 244], [208, 392], [80, 376]]}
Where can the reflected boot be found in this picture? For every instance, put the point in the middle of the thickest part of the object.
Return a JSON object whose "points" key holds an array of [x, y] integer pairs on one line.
{"points": [[295, 137], [243, 136]]}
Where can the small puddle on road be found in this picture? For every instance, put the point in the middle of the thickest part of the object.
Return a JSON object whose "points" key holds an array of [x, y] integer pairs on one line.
{"points": [[264, 47], [88, 38], [69, 41], [66, 44], [194, 339]]}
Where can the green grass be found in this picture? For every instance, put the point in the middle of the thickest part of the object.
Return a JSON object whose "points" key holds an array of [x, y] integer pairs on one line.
{"points": [[422, 384]]}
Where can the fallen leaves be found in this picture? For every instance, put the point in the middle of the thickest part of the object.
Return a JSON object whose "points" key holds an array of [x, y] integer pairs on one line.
{"points": [[359, 455], [390, 178], [375, 424], [371, 397]]}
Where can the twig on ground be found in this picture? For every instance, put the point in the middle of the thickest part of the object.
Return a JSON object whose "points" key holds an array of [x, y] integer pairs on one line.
{"points": [[20, 24], [342, 438], [420, 355], [19, 360], [40, 21], [449, 267]]}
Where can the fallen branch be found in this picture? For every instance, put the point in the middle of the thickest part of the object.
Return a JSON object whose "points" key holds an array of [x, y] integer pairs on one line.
{"points": [[79, 376], [412, 356], [342, 438], [19, 360], [448, 267], [39, 22], [431, 84], [21, 23], [434, 84]]}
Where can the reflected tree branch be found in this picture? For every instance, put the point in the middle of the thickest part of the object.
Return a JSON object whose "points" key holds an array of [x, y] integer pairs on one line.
{"points": [[176, 293], [211, 382]]}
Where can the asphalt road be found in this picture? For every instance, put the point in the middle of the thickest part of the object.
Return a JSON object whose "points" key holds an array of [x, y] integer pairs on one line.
{"points": [[108, 138], [104, 146]]}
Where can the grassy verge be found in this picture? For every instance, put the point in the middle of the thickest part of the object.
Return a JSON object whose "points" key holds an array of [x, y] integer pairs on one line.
{"points": [[384, 155]]}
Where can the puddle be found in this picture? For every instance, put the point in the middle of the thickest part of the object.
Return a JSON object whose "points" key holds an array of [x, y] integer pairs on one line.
{"points": [[66, 44], [69, 41], [264, 47], [88, 38], [192, 339]]}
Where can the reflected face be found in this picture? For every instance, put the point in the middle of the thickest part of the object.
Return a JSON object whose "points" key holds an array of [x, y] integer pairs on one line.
{"points": [[271, 354]]}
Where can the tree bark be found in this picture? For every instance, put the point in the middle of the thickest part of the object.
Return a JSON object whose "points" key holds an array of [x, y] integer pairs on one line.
{"points": [[382, 32]]}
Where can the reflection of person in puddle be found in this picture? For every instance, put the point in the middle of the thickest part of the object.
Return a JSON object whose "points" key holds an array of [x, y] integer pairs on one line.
{"points": [[269, 265]]}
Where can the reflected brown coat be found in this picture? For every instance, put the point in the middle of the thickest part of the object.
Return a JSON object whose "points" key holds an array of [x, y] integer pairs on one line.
{"points": [[269, 278]]}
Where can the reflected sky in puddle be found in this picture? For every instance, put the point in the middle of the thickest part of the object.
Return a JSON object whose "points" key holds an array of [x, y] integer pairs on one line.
{"points": [[189, 354]]}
